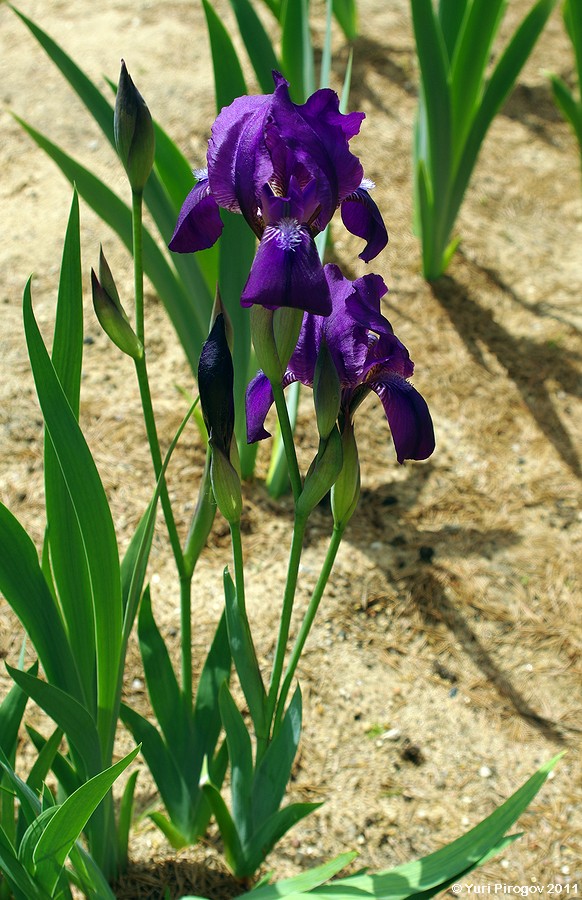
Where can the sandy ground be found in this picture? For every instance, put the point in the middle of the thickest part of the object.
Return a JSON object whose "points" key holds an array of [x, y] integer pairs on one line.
{"points": [[452, 620]]}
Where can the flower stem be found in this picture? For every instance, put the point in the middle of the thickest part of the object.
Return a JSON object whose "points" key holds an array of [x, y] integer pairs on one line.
{"points": [[288, 600], [237, 557], [143, 381], [287, 435], [328, 562]]}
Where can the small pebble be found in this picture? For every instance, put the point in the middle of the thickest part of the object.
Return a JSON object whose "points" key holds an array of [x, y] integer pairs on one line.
{"points": [[137, 684], [485, 772]]}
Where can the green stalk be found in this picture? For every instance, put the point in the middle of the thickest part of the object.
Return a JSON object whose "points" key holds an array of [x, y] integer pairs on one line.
{"points": [[287, 435], [239, 576], [284, 626], [328, 562], [143, 381], [186, 638]]}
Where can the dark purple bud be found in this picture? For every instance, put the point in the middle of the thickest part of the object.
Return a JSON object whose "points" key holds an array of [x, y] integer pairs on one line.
{"points": [[134, 132], [215, 384]]}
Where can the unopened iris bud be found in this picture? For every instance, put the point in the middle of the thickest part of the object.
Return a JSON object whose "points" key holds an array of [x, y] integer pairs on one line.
{"points": [[215, 384], [134, 132], [322, 472], [274, 334], [326, 391], [346, 491], [110, 312]]}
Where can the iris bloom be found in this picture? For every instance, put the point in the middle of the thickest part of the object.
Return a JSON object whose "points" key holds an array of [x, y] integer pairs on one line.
{"points": [[286, 168], [368, 357]]}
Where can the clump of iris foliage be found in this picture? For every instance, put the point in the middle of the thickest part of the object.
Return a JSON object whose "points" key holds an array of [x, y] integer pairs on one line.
{"points": [[279, 168], [569, 105], [460, 95]]}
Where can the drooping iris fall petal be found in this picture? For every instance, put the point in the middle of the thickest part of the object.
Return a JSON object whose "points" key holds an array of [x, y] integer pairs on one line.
{"points": [[199, 224], [367, 357]]}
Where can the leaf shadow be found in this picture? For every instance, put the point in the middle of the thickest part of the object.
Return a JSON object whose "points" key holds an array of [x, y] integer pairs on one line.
{"points": [[412, 560], [528, 363]]}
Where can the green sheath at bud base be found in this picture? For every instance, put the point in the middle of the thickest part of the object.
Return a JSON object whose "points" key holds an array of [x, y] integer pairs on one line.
{"points": [[134, 132], [326, 390], [225, 486], [322, 473], [346, 491], [274, 334], [111, 314]]}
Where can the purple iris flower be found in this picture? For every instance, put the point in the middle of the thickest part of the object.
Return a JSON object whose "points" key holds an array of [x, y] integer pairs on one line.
{"points": [[286, 168], [368, 357]]}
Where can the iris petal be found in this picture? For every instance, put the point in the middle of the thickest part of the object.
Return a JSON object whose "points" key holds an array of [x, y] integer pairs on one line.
{"points": [[362, 217], [287, 271], [238, 160], [259, 399], [199, 224], [408, 416]]}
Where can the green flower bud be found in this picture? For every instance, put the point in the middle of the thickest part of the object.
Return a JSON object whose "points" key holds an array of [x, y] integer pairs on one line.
{"points": [[275, 334], [346, 491], [110, 312], [322, 472], [326, 391], [134, 132]]}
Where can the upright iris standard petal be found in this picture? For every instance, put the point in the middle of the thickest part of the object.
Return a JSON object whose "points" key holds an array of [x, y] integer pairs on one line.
{"points": [[199, 224], [266, 153], [362, 217], [408, 416]]}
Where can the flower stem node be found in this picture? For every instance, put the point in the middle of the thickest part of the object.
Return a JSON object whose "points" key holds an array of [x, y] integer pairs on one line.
{"points": [[111, 314], [322, 473], [326, 391], [346, 491], [134, 132]]}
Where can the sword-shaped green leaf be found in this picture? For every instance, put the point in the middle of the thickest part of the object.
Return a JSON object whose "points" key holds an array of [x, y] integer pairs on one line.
{"points": [[67, 553], [95, 524]]}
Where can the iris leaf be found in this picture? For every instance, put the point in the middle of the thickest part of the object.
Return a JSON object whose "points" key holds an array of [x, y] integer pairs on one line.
{"points": [[24, 586], [257, 43], [67, 552], [228, 77], [95, 523]]}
